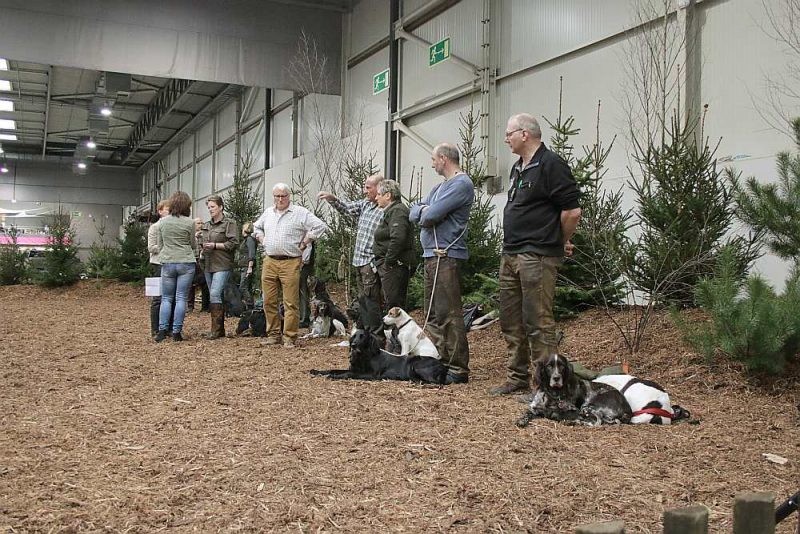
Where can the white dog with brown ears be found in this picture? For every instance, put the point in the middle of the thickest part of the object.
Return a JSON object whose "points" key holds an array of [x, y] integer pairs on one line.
{"points": [[413, 341]]}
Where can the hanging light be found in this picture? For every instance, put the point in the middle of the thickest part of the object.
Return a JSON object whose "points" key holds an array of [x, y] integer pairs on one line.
{"points": [[90, 143], [81, 165], [105, 111], [3, 168]]}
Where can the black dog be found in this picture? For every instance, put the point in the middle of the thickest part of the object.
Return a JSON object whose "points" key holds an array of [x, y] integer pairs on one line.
{"points": [[369, 362], [255, 321], [563, 396]]}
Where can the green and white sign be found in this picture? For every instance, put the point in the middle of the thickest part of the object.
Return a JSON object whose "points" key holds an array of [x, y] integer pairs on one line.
{"points": [[438, 52], [380, 82], [76, 214]]}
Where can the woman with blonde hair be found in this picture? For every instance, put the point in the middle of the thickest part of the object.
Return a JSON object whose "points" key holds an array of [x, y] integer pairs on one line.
{"points": [[176, 243], [220, 240], [162, 211]]}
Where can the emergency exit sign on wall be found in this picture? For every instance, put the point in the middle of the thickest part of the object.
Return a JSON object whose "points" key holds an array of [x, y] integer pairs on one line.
{"points": [[380, 82], [438, 52]]}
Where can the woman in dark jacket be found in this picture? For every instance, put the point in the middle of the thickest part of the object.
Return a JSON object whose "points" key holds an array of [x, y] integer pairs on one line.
{"points": [[246, 264], [393, 246], [220, 238]]}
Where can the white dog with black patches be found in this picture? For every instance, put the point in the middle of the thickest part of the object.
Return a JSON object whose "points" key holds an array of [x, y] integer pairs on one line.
{"points": [[413, 341], [649, 402]]}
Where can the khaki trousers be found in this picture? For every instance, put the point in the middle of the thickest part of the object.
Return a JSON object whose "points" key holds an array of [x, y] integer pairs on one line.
{"points": [[283, 275], [527, 290]]}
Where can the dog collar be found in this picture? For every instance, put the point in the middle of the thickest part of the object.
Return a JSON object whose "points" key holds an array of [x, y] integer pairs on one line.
{"points": [[654, 411], [402, 325]]}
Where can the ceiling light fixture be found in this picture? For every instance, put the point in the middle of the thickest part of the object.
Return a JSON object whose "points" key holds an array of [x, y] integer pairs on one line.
{"points": [[3, 168], [81, 165], [105, 111], [90, 143]]}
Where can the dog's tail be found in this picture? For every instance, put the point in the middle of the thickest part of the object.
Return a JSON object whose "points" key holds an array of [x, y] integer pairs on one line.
{"points": [[680, 413]]}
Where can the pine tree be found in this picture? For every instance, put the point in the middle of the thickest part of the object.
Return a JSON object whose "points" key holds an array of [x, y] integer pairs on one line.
{"points": [[13, 269], [61, 265], [592, 275], [484, 234], [242, 203], [133, 258], [773, 210], [749, 321], [685, 212]]}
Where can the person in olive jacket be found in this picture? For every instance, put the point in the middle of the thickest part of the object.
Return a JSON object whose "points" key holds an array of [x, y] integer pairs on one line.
{"points": [[220, 239], [393, 245]]}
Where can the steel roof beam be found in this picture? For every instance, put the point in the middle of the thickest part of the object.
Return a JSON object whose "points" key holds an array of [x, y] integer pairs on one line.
{"points": [[162, 104]]}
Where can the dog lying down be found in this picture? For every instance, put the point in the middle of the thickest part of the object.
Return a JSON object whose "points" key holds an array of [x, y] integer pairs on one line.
{"points": [[614, 399], [413, 341], [324, 324], [369, 362]]}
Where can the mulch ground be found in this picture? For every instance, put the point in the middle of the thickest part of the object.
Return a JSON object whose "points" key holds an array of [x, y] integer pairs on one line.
{"points": [[102, 429]]}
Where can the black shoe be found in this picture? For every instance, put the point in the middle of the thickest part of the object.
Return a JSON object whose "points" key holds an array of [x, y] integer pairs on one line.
{"points": [[509, 388], [453, 378], [304, 324], [177, 337], [160, 336]]}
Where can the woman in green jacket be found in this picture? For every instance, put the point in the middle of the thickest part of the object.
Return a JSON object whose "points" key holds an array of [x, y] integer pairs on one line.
{"points": [[393, 246], [220, 239]]}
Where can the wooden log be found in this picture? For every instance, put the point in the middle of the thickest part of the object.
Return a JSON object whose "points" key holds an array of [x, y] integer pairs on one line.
{"points": [[688, 520], [754, 513], [604, 527]]}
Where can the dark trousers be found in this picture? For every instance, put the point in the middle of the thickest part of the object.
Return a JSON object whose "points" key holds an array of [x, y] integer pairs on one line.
{"points": [[305, 294], [394, 285], [527, 290], [369, 285], [246, 288], [446, 321]]}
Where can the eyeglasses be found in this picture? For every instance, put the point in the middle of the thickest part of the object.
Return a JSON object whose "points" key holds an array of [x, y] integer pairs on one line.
{"points": [[281, 196], [512, 132]]}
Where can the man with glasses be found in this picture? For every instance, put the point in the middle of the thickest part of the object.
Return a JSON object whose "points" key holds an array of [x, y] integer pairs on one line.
{"points": [[284, 231], [540, 216]]}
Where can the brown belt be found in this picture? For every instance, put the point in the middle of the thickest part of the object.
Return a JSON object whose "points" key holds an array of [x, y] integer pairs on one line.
{"points": [[281, 258]]}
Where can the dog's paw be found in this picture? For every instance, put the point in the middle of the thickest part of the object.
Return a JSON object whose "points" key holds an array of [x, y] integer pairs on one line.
{"points": [[525, 420]]}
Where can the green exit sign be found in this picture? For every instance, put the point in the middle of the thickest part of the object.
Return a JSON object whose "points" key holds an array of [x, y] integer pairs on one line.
{"points": [[439, 52], [380, 82]]}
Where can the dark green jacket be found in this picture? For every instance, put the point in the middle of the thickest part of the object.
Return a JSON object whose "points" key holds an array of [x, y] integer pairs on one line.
{"points": [[394, 236]]}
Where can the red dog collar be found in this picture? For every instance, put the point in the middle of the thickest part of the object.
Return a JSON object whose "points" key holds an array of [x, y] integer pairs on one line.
{"points": [[654, 411]]}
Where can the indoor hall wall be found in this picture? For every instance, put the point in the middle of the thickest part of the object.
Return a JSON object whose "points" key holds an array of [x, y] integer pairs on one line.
{"points": [[735, 72], [461, 23], [366, 25]]}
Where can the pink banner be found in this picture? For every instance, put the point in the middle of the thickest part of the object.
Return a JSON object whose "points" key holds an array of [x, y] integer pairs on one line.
{"points": [[27, 241]]}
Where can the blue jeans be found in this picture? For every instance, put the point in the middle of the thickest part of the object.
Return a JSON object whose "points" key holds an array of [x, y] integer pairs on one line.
{"points": [[176, 279], [216, 285]]}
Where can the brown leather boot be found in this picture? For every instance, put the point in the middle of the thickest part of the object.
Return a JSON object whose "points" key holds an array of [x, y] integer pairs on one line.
{"points": [[217, 321]]}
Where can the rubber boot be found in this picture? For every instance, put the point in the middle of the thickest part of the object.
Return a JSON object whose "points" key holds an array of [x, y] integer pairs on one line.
{"points": [[217, 321]]}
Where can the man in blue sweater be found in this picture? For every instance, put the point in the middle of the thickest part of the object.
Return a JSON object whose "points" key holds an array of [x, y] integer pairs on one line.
{"points": [[443, 216]]}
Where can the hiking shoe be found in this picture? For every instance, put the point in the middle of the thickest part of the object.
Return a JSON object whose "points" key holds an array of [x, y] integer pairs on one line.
{"points": [[160, 336], [453, 378], [509, 388], [176, 336], [270, 341], [289, 344]]}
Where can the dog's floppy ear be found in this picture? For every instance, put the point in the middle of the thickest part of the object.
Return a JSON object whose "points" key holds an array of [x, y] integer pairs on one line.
{"points": [[541, 373]]}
